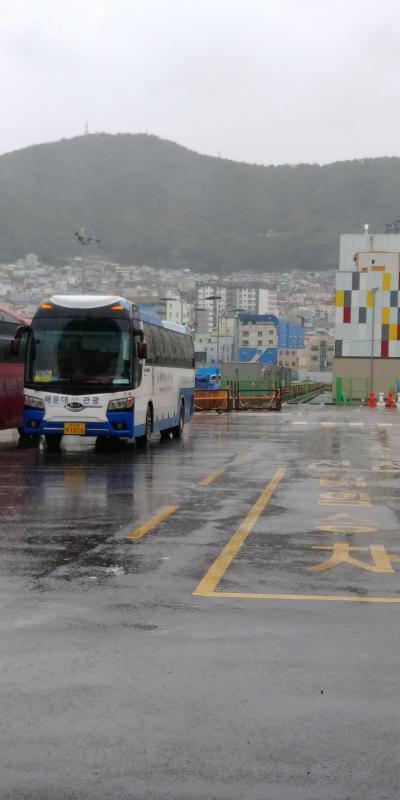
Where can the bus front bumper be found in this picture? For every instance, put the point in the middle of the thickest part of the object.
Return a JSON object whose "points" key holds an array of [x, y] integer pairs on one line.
{"points": [[118, 423]]}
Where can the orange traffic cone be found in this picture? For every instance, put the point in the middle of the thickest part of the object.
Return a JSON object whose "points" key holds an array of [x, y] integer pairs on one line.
{"points": [[372, 400], [390, 400]]}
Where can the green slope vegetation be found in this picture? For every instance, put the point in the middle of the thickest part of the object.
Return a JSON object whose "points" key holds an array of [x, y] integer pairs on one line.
{"points": [[154, 202]]}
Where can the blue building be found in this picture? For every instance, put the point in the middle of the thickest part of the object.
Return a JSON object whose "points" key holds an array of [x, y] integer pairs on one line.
{"points": [[261, 335], [258, 338], [290, 335]]}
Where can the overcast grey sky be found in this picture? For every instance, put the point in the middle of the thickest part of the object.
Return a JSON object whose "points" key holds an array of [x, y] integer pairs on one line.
{"points": [[282, 81]]}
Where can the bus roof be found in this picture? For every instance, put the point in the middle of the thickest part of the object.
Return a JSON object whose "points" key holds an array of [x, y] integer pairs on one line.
{"points": [[146, 313], [89, 300]]}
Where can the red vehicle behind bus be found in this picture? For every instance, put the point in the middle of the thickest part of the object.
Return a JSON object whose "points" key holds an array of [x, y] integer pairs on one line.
{"points": [[11, 373]]}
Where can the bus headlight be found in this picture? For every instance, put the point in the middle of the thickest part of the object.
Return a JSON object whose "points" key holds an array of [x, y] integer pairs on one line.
{"points": [[33, 402], [122, 404]]}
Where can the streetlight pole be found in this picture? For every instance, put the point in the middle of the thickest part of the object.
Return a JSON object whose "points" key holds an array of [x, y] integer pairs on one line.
{"points": [[216, 297], [85, 236]]}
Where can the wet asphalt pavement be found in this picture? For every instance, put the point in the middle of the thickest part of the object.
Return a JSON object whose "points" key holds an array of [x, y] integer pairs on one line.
{"points": [[215, 617]]}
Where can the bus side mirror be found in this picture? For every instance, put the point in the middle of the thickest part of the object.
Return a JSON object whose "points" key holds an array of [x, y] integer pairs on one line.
{"points": [[142, 350], [14, 346], [22, 330]]}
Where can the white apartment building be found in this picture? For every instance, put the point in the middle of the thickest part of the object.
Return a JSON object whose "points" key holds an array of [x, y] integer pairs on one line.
{"points": [[256, 299], [206, 290], [32, 260], [179, 311]]}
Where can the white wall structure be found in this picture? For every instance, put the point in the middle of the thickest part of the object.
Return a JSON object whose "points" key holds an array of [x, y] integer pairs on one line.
{"points": [[267, 302], [352, 243], [179, 311], [209, 344]]}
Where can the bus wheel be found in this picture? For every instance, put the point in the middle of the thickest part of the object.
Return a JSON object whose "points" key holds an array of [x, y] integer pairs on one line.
{"points": [[25, 440], [178, 430], [142, 441], [53, 440]]}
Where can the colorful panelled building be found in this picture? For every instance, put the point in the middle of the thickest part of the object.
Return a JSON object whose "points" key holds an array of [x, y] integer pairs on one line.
{"points": [[367, 336], [355, 311]]}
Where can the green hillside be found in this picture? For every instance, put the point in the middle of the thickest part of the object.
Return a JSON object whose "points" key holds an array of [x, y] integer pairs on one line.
{"points": [[154, 202]]}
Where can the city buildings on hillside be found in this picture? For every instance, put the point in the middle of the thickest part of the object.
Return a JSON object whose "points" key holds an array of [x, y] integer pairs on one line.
{"points": [[204, 302]]}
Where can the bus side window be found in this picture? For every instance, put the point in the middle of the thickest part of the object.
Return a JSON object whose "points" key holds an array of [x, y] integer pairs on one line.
{"points": [[167, 349], [180, 350], [176, 348], [158, 345], [187, 357], [148, 337], [169, 338]]}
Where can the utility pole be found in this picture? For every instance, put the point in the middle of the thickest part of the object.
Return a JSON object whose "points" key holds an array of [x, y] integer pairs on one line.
{"points": [[371, 371]]}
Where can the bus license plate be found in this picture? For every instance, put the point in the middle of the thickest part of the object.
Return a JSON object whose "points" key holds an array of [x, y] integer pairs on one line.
{"points": [[75, 428]]}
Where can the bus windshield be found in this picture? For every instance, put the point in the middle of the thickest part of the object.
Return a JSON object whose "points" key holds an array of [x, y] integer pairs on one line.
{"points": [[82, 351]]}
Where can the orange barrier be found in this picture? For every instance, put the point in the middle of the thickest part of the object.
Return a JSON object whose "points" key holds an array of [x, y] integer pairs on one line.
{"points": [[211, 400]]}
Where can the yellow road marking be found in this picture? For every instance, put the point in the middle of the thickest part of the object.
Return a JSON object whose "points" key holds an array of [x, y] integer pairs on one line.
{"points": [[152, 522], [342, 480], [216, 473], [212, 476], [301, 597], [212, 578], [344, 524], [241, 453], [341, 554], [344, 499]]}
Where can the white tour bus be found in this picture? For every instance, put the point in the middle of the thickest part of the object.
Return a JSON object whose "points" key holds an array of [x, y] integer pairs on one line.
{"points": [[102, 366]]}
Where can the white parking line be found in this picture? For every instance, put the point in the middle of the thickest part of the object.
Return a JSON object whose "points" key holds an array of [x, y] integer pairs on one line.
{"points": [[357, 424], [299, 422], [385, 424], [328, 424]]}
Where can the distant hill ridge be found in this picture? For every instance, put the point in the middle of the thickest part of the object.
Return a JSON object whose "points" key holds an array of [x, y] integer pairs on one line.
{"points": [[154, 202]]}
